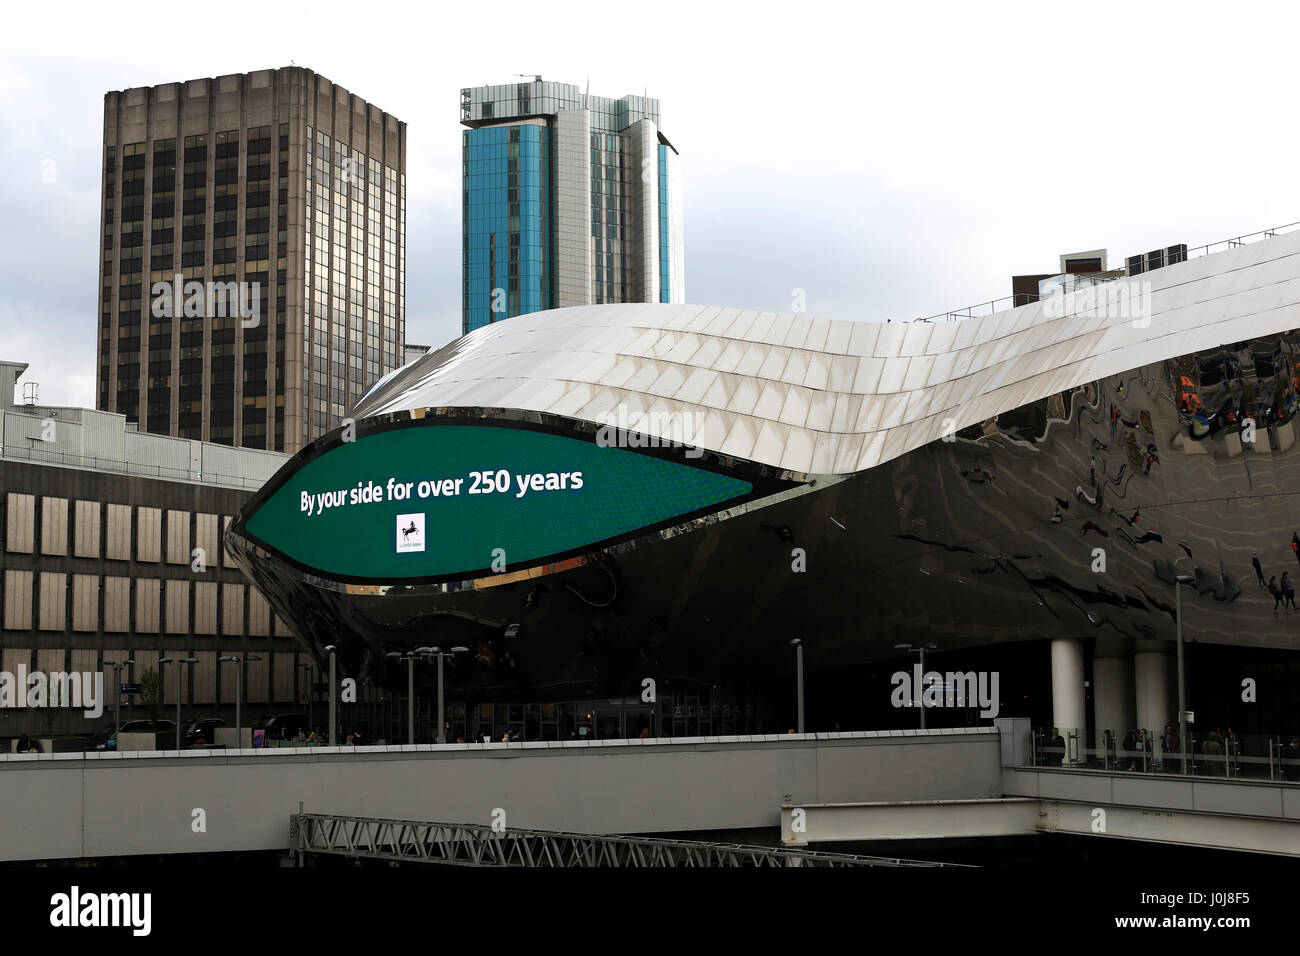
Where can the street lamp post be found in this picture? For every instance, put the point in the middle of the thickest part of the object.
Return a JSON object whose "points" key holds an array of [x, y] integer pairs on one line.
{"points": [[333, 690], [307, 668], [239, 663], [179, 688], [797, 644], [118, 667], [921, 651], [440, 654], [1179, 581], [410, 689]]}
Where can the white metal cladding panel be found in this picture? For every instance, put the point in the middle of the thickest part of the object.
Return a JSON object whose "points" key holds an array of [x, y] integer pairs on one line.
{"points": [[13, 658], [178, 537], [205, 607], [117, 537], [85, 534], [18, 600], [903, 374], [54, 526], [86, 661], [51, 660], [157, 455], [227, 559], [224, 463], [283, 664], [256, 679], [117, 604], [259, 615], [20, 523], [102, 435], [148, 534], [178, 607], [205, 538], [148, 600], [54, 601], [85, 602], [232, 610], [204, 675]]}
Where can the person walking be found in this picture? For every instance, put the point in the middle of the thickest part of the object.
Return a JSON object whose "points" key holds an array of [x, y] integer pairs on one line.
{"points": [[1295, 546], [1276, 592], [1288, 591], [1259, 571]]}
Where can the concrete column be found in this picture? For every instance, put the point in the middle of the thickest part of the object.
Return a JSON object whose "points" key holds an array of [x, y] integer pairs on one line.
{"points": [[1152, 669], [1113, 694], [1068, 706]]}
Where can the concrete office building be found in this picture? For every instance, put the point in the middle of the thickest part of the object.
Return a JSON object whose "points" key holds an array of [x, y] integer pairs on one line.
{"points": [[278, 187], [110, 548], [569, 199]]}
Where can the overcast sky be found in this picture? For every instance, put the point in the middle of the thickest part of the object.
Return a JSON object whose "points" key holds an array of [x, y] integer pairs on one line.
{"points": [[891, 162]]}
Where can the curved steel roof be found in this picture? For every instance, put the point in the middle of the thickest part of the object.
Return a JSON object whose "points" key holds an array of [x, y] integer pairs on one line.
{"points": [[827, 396]]}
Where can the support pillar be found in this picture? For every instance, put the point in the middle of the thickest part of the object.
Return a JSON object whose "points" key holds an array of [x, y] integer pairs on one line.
{"points": [[1113, 694], [1152, 675], [1068, 705]]}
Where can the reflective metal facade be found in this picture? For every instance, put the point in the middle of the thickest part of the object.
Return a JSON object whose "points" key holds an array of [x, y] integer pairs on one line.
{"points": [[944, 483]]}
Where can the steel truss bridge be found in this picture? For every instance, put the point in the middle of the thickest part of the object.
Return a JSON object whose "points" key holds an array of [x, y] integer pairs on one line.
{"points": [[464, 844]]}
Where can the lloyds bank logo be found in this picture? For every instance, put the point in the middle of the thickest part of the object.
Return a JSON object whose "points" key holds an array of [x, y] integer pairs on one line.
{"points": [[410, 533]]}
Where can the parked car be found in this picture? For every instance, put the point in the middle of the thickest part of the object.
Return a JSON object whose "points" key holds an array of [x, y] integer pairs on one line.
{"points": [[106, 737], [282, 726], [201, 731]]}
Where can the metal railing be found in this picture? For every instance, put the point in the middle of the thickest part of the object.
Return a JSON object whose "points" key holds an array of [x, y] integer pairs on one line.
{"points": [[467, 844], [1268, 757], [10, 451], [993, 306]]}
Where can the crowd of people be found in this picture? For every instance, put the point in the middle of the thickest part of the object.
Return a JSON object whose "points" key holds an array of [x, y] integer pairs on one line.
{"points": [[1143, 751]]}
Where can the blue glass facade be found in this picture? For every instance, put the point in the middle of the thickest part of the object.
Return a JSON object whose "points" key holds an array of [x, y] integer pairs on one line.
{"points": [[665, 283], [506, 217]]}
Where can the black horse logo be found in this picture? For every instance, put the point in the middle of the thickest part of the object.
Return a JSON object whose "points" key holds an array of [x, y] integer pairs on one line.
{"points": [[407, 532]]}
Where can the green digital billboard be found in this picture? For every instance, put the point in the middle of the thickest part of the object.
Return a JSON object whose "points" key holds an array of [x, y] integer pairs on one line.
{"points": [[435, 501]]}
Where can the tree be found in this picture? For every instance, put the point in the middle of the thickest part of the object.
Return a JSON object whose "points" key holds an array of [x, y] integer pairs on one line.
{"points": [[151, 693]]}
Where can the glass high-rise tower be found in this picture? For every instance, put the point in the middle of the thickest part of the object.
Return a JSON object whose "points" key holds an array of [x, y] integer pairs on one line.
{"points": [[277, 186], [569, 199]]}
